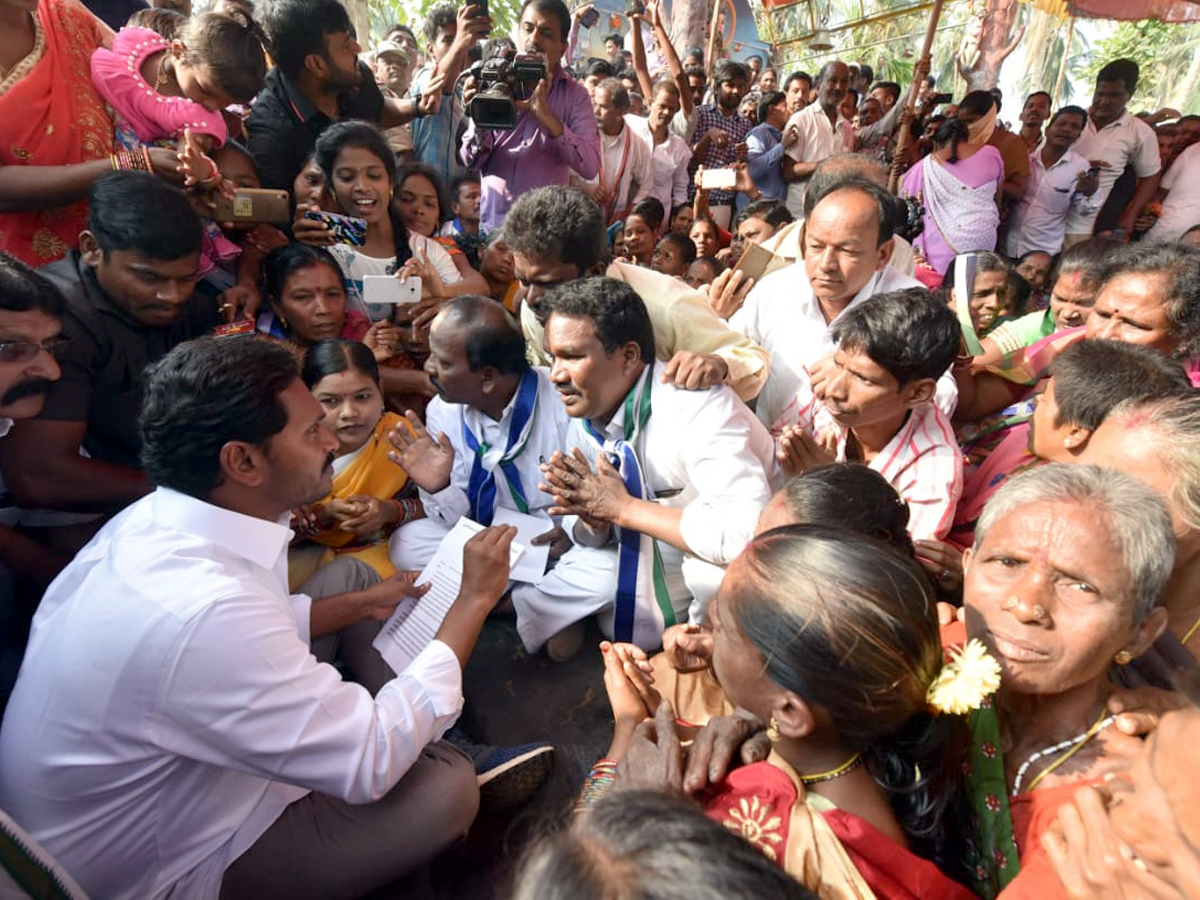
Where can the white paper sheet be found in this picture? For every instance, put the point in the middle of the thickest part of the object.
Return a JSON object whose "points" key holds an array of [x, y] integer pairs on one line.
{"points": [[416, 621], [531, 567]]}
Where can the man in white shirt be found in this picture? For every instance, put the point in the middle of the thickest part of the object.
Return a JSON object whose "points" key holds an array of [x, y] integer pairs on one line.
{"points": [[877, 406], [1060, 181], [1179, 195], [847, 245], [681, 476], [816, 132], [495, 420], [669, 153], [170, 733], [1113, 139], [625, 162]]}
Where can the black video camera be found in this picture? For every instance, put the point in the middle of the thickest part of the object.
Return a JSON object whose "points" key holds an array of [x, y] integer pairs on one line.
{"points": [[502, 81]]}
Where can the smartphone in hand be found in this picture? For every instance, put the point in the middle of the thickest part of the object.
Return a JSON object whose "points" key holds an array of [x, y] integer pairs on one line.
{"points": [[718, 179], [251, 206], [389, 289], [346, 229]]}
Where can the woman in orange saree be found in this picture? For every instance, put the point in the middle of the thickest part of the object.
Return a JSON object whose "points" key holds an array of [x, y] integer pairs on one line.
{"points": [[55, 134]]}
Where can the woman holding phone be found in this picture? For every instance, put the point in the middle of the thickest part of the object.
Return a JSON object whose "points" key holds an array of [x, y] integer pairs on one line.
{"points": [[360, 171]]}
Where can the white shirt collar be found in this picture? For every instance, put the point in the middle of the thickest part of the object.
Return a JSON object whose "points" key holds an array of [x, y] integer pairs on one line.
{"points": [[258, 541]]}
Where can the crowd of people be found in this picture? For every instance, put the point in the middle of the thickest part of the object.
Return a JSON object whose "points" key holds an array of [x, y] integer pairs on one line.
{"points": [[863, 424]]}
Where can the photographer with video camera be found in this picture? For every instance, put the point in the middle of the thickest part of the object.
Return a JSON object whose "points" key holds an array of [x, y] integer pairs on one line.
{"points": [[524, 135]]}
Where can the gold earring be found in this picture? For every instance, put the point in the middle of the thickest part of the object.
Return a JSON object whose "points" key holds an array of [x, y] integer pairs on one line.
{"points": [[1123, 658], [773, 734]]}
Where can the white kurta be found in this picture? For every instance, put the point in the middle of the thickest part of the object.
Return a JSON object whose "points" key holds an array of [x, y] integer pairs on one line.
{"points": [[582, 582], [169, 707], [705, 453]]}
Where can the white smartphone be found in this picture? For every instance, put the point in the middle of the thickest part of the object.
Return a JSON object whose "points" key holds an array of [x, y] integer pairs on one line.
{"points": [[389, 289], [718, 179]]}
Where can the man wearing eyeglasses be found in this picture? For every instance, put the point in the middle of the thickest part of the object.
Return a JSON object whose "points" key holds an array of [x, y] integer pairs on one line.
{"points": [[31, 312], [130, 295]]}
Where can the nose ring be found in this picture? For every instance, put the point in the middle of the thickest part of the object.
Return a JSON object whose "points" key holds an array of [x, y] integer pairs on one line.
{"points": [[1009, 604]]}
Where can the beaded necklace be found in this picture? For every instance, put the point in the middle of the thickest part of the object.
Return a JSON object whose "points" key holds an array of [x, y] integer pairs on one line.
{"points": [[1072, 746]]}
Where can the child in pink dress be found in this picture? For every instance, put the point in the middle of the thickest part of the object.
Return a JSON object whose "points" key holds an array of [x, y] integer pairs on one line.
{"points": [[175, 90]]}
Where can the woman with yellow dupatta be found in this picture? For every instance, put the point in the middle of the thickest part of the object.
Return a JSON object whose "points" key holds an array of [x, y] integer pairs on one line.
{"points": [[366, 502]]}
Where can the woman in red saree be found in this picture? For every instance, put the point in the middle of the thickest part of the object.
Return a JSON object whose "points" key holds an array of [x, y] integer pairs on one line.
{"points": [[832, 637]]}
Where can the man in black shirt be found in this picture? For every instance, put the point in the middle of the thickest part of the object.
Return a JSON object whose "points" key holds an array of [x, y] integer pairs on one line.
{"points": [[317, 80], [130, 293]]}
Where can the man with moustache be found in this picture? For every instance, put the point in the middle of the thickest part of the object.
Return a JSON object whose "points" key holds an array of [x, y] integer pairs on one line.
{"points": [[493, 423], [555, 131], [317, 79], [1061, 182], [30, 335], [130, 292], [171, 733], [670, 482], [1033, 115], [815, 133]]}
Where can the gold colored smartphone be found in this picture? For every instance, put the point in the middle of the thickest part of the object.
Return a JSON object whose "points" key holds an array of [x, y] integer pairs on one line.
{"points": [[254, 205], [756, 261]]}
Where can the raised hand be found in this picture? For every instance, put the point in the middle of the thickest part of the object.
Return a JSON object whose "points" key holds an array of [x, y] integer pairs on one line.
{"points": [[427, 460], [728, 291], [310, 231], [380, 600], [714, 747], [556, 538], [654, 757], [370, 517], [943, 561], [381, 339], [486, 565], [630, 688]]}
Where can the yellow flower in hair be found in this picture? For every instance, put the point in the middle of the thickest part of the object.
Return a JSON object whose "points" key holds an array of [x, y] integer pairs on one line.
{"points": [[964, 682]]}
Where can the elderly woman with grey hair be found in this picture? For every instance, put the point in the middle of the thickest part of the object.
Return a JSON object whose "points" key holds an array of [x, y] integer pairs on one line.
{"points": [[1158, 442], [1062, 586]]}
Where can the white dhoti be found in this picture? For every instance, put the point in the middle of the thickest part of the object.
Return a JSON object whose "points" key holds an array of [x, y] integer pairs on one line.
{"points": [[582, 582]]}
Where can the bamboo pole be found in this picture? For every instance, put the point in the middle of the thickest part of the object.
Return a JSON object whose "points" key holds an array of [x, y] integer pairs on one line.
{"points": [[709, 62], [905, 129], [1062, 67]]}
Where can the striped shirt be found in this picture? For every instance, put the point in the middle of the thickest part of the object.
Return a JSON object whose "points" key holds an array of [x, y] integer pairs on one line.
{"points": [[737, 127], [922, 461]]}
